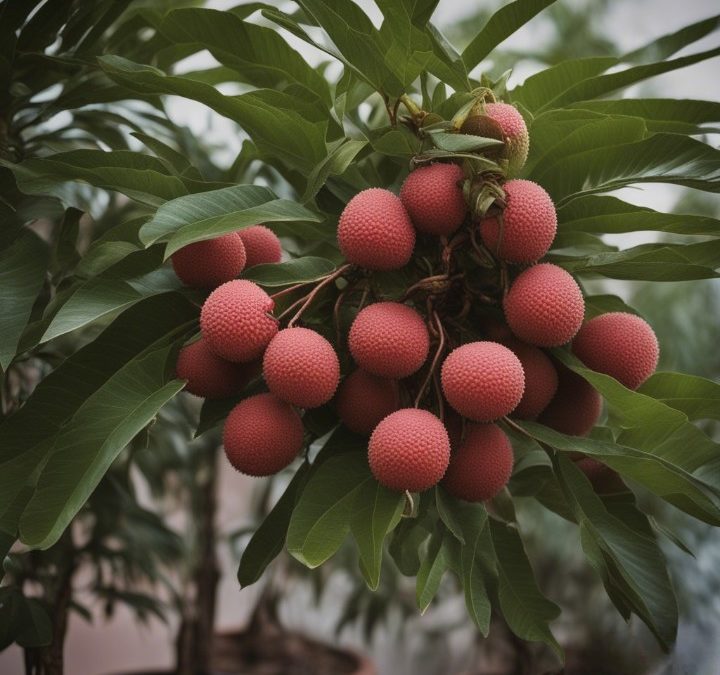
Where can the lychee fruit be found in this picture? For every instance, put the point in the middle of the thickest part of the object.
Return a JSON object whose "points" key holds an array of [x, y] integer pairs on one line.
{"points": [[207, 374], [389, 339], [364, 399], [301, 367], [527, 226], [483, 381], [262, 435], [517, 139], [261, 245], [209, 263], [409, 450], [235, 320], [541, 379], [576, 406], [618, 344], [433, 197], [481, 467], [602, 477], [375, 231], [544, 306]]}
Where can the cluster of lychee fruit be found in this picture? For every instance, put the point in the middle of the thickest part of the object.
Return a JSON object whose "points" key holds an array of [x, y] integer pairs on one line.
{"points": [[436, 368]]}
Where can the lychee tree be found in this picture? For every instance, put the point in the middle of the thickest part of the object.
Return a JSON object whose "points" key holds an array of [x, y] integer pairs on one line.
{"points": [[442, 234]]}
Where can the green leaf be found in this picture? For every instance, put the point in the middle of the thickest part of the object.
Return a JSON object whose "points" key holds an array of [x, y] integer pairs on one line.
{"points": [[335, 164], [626, 557], [27, 437], [210, 214], [601, 304], [258, 54], [23, 260], [377, 512], [298, 270], [499, 27], [100, 297], [445, 508], [606, 214], [281, 125], [407, 540], [526, 610], [322, 516], [268, 540], [462, 142], [697, 397], [174, 160], [662, 158], [433, 567], [23, 620]]}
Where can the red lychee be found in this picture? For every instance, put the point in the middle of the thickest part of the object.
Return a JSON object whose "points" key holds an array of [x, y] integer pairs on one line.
{"points": [[544, 306], [363, 400], [262, 435], [409, 450], [618, 344], [389, 339], [517, 140], [576, 406], [261, 245], [602, 477], [483, 381], [301, 367], [541, 379], [527, 227], [433, 197], [375, 231], [482, 465], [209, 263], [208, 375], [235, 320]]}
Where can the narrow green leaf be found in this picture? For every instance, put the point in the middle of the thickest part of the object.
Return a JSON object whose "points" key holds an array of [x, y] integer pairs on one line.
{"points": [[335, 164], [298, 270], [433, 567], [462, 142], [444, 504], [697, 397]]}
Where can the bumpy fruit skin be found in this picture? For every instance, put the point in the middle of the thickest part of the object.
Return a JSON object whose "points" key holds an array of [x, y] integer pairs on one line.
{"points": [[261, 245], [208, 375], [207, 264], [234, 320], [602, 477], [301, 367], [262, 435], [433, 197], [482, 465], [375, 231], [618, 344], [483, 381], [529, 223], [544, 306], [364, 400], [516, 134], [541, 379], [389, 339], [576, 406], [409, 450]]}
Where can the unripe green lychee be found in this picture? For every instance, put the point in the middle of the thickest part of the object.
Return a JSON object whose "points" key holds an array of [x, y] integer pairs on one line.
{"points": [[235, 320], [409, 450], [375, 231], [481, 466], [544, 306], [261, 245], [262, 435], [301, 367], [364, 400], [433, 197], [209, 263], [483, 381], [389, 339], [526, 229], [618, 344]]}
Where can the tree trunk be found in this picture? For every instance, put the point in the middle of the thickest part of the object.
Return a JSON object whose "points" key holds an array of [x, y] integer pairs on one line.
{"points": [[198, 618]]}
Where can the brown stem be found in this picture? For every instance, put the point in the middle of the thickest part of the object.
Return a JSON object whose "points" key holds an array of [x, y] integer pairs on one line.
{"points": [[312, 294], [289, 289], [436, 358]]}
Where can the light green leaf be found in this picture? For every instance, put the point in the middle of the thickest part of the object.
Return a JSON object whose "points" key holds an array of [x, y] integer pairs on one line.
{"points": [[322, 516], [334, 164], [23, 262], [697, 397], [377, 512], [299, 270], [462, 142]]}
